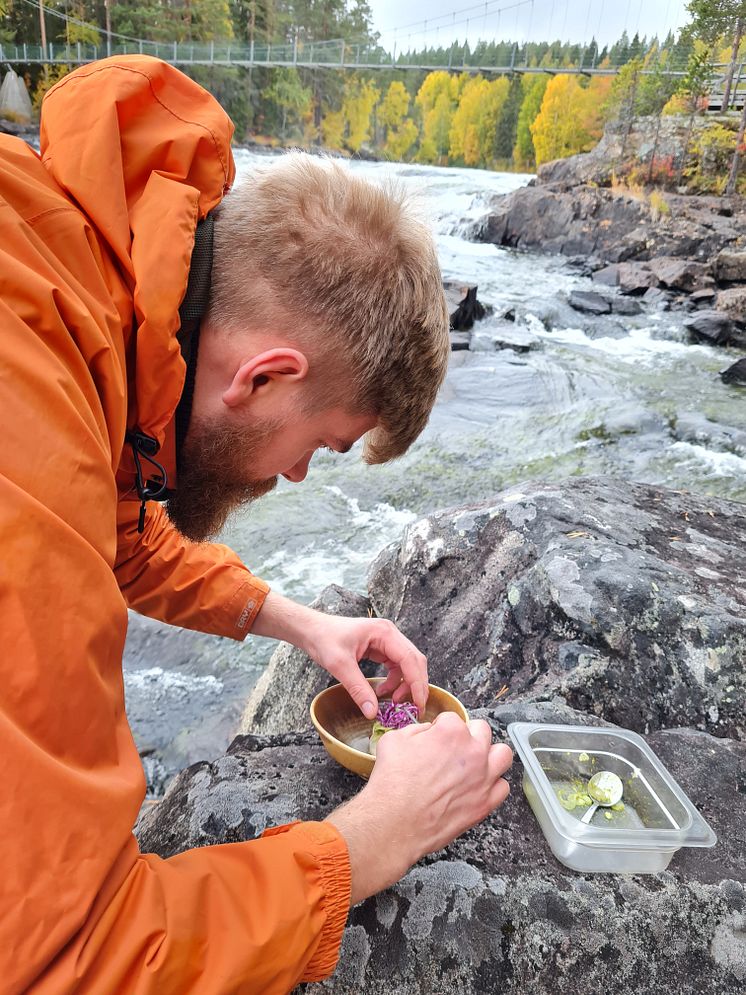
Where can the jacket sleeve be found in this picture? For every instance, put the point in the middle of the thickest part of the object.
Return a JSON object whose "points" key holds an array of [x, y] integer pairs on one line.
{"points": [[202, 586]]}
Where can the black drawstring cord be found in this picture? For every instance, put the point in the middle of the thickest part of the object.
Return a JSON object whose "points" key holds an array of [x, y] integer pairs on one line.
{"points": [[154, 488]]}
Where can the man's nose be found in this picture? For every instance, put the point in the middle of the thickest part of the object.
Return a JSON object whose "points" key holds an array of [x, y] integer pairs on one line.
{"points": [[298, 472]]}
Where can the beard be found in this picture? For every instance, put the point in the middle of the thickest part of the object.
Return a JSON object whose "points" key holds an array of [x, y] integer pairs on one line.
{"points": [[212, 477]]}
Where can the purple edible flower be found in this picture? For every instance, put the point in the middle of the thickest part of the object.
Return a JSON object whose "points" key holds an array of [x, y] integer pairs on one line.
{"points": [[397, 716]]}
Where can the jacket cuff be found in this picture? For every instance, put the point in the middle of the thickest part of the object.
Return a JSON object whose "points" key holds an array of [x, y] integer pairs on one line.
{"points": [[245, 604], [327, 847]]}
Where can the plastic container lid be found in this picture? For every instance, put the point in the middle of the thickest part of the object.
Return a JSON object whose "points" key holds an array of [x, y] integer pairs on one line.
{"points": [[664, 817]]}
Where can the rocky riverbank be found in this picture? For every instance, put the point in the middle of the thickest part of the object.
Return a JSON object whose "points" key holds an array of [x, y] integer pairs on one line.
{"points": [[669, 249], [594, 602]]}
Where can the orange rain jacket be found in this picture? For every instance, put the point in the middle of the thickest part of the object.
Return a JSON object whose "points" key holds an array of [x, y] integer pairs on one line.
{"points": [[95, 244]]}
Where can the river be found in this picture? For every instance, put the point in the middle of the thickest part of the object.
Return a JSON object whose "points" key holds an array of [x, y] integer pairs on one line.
{"points": [[616, 395]]}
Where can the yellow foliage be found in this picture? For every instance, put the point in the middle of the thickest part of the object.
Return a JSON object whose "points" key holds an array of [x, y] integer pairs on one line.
{"points": [[679, 103], [394, 105], [400, 140], [401, 131], [54, 75], [474, 123], [333, 129], [570, 119], [361, 96], [438, 84]]}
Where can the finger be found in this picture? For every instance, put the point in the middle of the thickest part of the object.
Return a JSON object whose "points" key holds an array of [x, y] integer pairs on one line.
{"points": [[499, 792], [351, 676], [393, 740], [402, 653], [390, 684], [481, 731], [416, 692], [500, 759]]}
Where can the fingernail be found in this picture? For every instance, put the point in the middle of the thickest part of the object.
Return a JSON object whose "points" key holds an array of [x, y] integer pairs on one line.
{"points": [[369, 710]]}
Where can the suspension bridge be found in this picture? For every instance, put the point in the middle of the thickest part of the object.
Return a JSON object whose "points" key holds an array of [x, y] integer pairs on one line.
{"points": [[357, 55]]}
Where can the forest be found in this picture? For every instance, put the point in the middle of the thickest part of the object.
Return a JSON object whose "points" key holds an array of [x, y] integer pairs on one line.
{"points": [[517, 120]]}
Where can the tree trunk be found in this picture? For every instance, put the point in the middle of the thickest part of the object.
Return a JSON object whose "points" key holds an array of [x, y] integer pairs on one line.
{"points": [[655, 147], [107, 12], [733, 61], [685, 150], [730, 186]]}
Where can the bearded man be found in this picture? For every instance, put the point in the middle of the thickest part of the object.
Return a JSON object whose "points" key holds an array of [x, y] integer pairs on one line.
{"points": [[325, 322]]}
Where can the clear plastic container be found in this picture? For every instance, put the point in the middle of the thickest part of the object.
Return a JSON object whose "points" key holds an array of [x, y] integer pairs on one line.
{"points": [[655, 819]]}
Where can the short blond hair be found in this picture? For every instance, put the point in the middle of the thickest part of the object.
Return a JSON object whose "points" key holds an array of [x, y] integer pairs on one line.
{"points": [[349, 268]]}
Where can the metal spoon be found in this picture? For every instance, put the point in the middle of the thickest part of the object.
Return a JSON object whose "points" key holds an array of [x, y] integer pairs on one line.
{"points": [[606, 789]]}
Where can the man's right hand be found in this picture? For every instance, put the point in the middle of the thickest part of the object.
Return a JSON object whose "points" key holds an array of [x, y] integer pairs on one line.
{"points": [[430, 783]]}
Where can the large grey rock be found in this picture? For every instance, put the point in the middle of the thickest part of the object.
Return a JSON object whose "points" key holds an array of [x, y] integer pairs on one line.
{"points": [[494, 911], [463, 306], [279, 701], [735, 374], [575, 209], [710, 327], [733, 303], [680, 274], [588, 302], [631, 278], [626, 599], [730, 267]]}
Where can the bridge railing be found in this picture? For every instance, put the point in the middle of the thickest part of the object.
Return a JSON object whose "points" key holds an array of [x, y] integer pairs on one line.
{"points": [[328, 53], [738, 87]]}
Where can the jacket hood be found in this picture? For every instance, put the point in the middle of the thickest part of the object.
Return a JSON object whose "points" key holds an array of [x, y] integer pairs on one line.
{"points": [[144, 152]]}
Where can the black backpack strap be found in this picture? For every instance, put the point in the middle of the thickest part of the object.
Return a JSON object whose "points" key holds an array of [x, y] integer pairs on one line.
{"points": [[191, 311]]}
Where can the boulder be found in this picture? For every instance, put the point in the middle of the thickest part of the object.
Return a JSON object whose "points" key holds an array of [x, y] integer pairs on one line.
{"points": [[495, 911], [704, 297], [710, 327], [680, 274], [735, 374], [589, 303], [631, 278], [625, 306], [463, 307], [730, 267], [627, 600], [733, 303], [657, 297]]}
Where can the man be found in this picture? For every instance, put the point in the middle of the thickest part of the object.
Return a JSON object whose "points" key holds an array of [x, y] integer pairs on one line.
{"points": [[326, 323]]}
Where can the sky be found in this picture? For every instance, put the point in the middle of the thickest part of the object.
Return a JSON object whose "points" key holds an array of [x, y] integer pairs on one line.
{"points": [[416, 23]]}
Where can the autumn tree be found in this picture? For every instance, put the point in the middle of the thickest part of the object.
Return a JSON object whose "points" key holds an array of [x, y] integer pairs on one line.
{"points": [[400, 130], [534, 88], [570, 119], [361, 96], [437, 99], [474, 123]]}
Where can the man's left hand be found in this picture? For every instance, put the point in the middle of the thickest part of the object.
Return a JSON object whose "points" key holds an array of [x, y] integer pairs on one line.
{"points": [[338, 644]]}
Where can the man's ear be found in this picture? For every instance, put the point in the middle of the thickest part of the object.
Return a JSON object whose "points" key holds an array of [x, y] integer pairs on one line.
{"points": [[270, 369]]}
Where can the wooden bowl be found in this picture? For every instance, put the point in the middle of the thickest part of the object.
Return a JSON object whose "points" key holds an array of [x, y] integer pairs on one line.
{"points": [[345, 731]]}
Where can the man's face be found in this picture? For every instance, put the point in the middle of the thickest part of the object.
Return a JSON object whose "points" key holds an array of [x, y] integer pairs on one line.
{"points": [[225, 464]]}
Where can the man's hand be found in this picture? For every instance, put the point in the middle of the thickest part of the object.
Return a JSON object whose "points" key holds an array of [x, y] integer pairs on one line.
{"points": [[430, 783], [337, 644]]}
